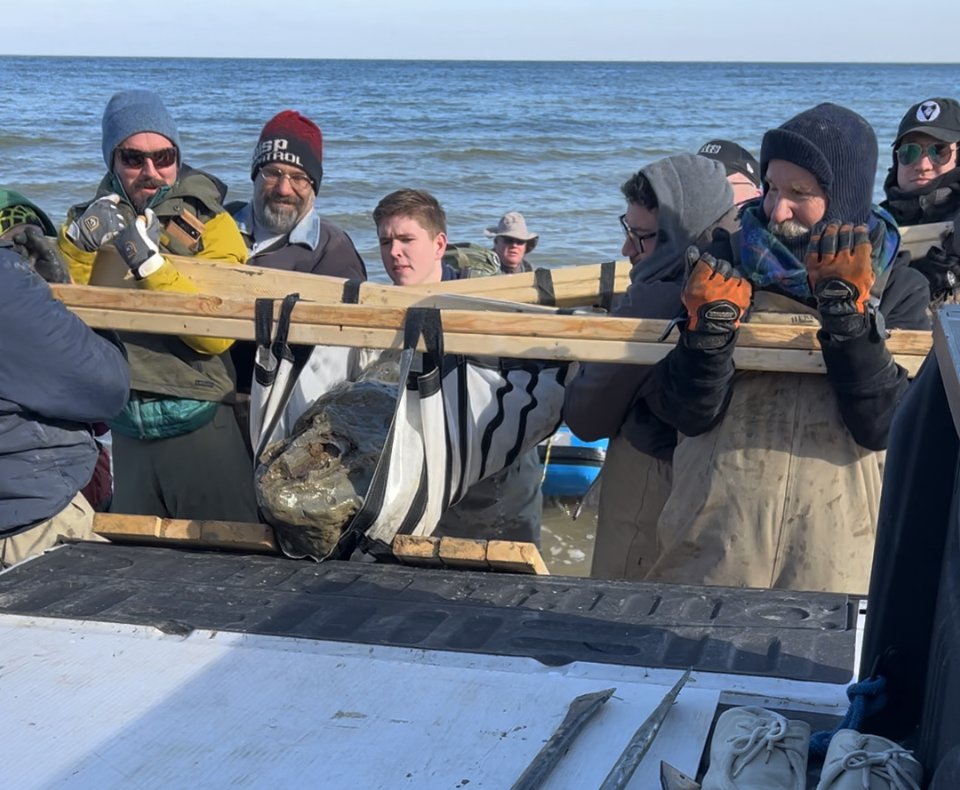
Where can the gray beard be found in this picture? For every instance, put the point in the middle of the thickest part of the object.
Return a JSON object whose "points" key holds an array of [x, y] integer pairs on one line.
{"points": [[280, 219], [789, 231]]}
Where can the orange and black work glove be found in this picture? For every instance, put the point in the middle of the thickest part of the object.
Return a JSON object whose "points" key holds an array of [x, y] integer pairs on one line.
{"points": [[839, 267], [716, 298]]}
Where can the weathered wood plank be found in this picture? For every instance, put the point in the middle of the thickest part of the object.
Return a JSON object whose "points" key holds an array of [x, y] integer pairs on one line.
{"points": [[417, 550], [573, 285], [358, 325], [463, 553], [237, 535], [513, 557]]}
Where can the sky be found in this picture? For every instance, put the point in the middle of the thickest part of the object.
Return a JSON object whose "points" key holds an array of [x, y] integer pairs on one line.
{"points": [[631, 30]]}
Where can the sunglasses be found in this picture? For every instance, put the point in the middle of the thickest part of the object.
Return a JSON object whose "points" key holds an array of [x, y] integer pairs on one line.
{"points": [[937, 153], [636, 236], [509, 241], [134, 158]]}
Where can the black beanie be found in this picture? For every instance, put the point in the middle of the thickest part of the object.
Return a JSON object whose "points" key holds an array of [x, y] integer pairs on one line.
{"points": [[839, 148]]}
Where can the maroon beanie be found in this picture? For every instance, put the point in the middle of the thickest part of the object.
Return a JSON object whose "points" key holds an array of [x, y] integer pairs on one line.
{"points": [[289, 138]]}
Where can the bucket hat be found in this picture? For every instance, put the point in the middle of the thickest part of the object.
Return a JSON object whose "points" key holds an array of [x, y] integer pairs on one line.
{"points": [[513, 224]]}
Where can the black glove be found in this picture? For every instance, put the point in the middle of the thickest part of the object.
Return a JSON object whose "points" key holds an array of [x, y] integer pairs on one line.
{"points": [[716, 298], [941, 268], [139, 245], [40, 252], [98, 224], [839, 265]]}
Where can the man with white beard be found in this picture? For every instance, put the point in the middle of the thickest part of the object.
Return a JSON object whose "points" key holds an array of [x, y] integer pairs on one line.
{"points": [[279, 225], [776, 476]]}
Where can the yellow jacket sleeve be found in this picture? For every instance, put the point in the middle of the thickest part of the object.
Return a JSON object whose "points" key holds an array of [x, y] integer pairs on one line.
{"points": [[78, 261], [223, 243]]}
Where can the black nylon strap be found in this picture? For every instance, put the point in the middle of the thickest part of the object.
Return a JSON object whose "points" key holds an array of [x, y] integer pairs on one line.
{"points": [[543, 281], [262, 321], [351, 292], [608, 280]]}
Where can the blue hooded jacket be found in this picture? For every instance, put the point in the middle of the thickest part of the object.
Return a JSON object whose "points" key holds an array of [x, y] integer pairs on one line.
{"points": [[56, 376]]}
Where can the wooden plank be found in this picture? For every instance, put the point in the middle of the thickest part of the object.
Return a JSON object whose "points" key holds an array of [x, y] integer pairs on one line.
{"points": [[772, 347], [574, 285], [417, 550], [242, 536], [463, 553], [170, 312], [513, 557], [918, 239]]}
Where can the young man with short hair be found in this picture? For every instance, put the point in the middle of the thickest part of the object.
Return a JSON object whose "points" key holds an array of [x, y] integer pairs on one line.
{"points": [[508, 505]]}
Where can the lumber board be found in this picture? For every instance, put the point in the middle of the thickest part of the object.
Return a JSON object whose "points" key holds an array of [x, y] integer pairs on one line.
{"points": [[596, 338], [417, 550], [573, 285], [469, 554], [463, 553], [514, 557], [238, 535], [918, 239]]}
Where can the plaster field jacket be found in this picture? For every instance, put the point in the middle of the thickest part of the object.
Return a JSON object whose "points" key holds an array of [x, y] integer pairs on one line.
{"points": [[56, 376], [777, 475]]}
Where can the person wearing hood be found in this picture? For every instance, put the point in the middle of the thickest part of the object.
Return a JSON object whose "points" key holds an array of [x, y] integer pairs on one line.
{"points": [[671, 204], [178, 452], [777, 475], [923, 186], [56, 379]]}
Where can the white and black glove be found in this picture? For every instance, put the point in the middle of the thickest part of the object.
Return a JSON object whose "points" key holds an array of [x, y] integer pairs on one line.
{"points": [[100, 223], [139, 245]]}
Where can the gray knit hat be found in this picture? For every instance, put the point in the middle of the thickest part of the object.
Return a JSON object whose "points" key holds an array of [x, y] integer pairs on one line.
{"points": [[839, 148], [132, 112]]}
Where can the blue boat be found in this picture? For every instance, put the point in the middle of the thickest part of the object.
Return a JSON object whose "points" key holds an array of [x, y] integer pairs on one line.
{"points": [[571, 465]]}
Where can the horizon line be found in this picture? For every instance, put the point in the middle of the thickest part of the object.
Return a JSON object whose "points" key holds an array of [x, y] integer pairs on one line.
{"points": [[499, 60]]}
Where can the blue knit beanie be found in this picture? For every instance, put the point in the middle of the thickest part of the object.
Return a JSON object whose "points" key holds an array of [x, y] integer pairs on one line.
{"points": [[132, 112], [839, 148]]}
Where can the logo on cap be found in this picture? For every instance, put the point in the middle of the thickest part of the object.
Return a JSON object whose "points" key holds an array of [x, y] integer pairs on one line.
{"points": [[928, 111]]}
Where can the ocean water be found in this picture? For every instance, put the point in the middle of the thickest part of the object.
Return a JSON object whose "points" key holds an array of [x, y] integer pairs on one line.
{"points": [[552, 140]]}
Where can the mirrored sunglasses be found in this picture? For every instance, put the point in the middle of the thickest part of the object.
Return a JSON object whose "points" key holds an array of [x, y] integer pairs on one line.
{"points": [[937, 153], [134, 158]]}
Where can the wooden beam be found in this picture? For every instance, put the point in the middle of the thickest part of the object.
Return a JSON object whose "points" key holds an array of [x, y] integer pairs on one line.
{"points": [[918, 239], [513, 557], [597, 338], [573, 285], [237, 535], [469, 554]]}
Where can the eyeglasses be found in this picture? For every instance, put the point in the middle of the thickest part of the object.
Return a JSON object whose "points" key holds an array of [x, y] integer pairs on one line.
{"points": [[134, 158], [511, 242], [937, 153], [273, 175], [638, 237]]}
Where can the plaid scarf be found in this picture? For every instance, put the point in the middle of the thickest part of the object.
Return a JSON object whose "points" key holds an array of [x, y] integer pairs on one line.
{"points": [[767, 263]]}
